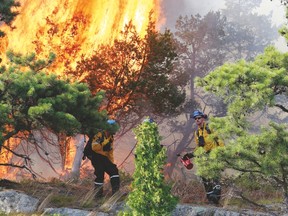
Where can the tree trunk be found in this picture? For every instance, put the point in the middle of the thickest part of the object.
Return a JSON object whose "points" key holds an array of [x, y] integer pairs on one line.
{"points": [[172, 155], [75, 171]]}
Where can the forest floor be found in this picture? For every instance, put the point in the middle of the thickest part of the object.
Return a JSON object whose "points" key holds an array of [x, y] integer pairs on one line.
{"points": [[80, 195]]}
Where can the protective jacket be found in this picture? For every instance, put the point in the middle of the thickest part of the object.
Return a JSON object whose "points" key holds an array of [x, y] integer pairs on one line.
{"points": [[205, 139], [99, 149], [103, 144]]}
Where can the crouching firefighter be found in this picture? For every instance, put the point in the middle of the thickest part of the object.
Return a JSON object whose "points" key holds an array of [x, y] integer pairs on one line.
{"points": [[99, 149], [202, 139]]}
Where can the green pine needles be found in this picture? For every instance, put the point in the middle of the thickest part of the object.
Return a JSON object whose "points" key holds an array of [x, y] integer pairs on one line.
{"points": [[150, 194]]}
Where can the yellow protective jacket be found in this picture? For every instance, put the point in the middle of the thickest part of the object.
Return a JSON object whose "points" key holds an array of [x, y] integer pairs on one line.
{"points": [[103, 144], [211, 141]]}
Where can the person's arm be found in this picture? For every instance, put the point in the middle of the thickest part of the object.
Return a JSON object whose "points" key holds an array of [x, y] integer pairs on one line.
{"points": [[97, 142], [107, 146], [88, 149], [196, 140], [188, 155]]}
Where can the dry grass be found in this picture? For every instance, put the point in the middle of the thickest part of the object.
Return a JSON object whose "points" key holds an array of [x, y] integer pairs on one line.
{"points": [[193, 192], [56, 193], [189, 192], [80, 195]]}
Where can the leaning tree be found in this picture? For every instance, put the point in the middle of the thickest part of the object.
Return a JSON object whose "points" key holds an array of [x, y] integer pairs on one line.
{"points": [[31, 100]]}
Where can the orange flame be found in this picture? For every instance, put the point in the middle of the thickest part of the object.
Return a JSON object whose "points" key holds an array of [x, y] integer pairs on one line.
{"points": [[72, 28], [6, 156]]}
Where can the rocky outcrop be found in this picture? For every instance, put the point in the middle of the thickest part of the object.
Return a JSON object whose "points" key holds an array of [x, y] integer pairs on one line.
{"points": [[12, 201], [190, 210], [68, 211]]}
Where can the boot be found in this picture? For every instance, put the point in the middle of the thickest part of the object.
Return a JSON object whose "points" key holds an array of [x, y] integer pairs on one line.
{"points": [[115, 183], [213, 199], [98, 188], [215, 195]]}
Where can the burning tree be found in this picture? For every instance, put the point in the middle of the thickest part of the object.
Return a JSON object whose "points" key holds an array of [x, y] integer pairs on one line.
{"points": [[137, 74], [71, 29], [135, 71], [31, 100], [6, 14]]}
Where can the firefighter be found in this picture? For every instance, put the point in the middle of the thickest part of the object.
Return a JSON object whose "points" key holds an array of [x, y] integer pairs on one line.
{"points": [[202, 139], [99, 150]]}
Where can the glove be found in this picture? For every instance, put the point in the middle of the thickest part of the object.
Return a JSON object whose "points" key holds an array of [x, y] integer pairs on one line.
{"points": [[107, 147], [188, 156], [201, 141]]}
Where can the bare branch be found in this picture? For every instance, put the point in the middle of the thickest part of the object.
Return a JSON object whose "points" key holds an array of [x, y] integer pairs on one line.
{"points": [[282, 107], [21, 167], [131, 151], [19, 155]]}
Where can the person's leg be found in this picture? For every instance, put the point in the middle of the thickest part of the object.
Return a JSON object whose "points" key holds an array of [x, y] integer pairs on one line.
{"points": [[115, 182], [112, 170], [208, 187], [97, 163], [213, 190], [216, 194]]}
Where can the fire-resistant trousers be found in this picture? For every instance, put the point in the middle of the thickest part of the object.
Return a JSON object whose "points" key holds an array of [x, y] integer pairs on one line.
{"points": [[213, 190], [103, 165]]}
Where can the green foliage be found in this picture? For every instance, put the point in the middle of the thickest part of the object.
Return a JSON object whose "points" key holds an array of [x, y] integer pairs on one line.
{"points": [[248, 87], [31, 99], [126, 178], [263, 154], [253, 182], [150, 195]]}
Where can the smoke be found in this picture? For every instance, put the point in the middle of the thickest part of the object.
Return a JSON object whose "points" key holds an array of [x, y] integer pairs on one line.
{"points": [[172, 9], [175, 8]]}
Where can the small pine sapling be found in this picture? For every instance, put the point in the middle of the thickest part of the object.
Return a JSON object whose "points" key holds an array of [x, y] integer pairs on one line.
{"points": [[150, 194]]}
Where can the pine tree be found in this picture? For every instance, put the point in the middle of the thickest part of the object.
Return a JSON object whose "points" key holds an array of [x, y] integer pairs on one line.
{"points": [[150, 194], [32, 100], [253, 151]]}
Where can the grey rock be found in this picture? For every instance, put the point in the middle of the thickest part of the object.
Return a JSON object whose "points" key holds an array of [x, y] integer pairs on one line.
{"points": [[190, 210], [69, 211], [12, 201]]}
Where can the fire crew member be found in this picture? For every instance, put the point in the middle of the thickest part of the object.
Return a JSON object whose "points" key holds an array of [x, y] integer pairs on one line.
{"points": [[202, 139], [99, 150]]}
